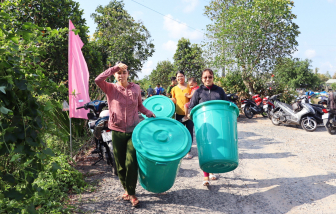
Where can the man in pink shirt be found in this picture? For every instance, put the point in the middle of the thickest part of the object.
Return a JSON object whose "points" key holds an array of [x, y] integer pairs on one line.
{"points": [[124, 101]]}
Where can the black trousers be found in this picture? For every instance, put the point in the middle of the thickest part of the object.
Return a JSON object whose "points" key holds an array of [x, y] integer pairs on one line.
{"points": [[189, 124]]}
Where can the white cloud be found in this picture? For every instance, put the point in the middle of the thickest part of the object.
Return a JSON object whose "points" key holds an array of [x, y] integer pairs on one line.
{"points": [[177, 30], [170, 46], [147, 69], [137, 15], [310, 53], [327, 66], [191, 5], [296, 54]]}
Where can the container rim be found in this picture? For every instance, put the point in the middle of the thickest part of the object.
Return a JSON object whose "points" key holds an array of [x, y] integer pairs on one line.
{"points": [[215, 102]]}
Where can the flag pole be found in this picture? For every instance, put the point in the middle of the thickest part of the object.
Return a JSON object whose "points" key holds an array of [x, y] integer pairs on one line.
{"points": [[70, 139]]}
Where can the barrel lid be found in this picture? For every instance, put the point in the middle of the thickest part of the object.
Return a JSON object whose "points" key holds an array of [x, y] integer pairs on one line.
{"points": [[214, 102], [160, 105], [161, 139]]}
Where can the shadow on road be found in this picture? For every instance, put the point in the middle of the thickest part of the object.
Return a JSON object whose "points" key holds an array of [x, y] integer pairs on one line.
{"points": [[282, 195]]}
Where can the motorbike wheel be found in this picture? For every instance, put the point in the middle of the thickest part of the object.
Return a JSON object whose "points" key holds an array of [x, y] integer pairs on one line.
{"points": [[308, 124], [330, 128], [248, 113], [109, 156], [275, 121]]}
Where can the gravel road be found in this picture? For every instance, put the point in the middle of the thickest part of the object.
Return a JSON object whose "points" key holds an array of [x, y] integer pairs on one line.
{"points": [[281, 170]]}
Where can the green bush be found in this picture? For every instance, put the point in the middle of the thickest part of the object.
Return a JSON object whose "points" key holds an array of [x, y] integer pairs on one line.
{"points": [[53, 187]]}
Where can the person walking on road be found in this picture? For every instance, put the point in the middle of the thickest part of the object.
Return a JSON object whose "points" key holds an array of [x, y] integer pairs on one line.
{"points": [[124, 102], [171, 86], [150, 91], [179, 98], [208, 91]]}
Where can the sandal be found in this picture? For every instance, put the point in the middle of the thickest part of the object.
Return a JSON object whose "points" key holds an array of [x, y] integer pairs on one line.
{"points": [[125, 197], [206, 183], [188, 156], [184, 119], [213, 177], [134, 201]]}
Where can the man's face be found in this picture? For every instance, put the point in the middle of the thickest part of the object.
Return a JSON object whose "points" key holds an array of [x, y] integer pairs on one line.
{"points": [[174, 82]]}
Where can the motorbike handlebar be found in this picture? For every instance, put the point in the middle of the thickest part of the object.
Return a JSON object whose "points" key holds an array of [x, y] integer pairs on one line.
{"points": [[80, 107]]}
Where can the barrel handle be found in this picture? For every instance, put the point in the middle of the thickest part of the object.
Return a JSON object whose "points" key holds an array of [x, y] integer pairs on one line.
{"points": [[160, 163]]}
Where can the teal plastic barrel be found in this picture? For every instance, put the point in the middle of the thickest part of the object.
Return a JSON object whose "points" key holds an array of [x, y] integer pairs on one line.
{"points": [[216, 135], [160, 144], [160, 105]]}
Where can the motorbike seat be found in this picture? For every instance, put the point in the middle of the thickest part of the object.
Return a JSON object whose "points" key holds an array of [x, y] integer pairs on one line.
{"points": [[92, 124], [287, 105]]}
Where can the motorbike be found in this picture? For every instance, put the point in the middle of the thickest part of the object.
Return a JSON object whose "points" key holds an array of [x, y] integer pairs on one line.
{"points": [[252, 107], [329, 118], [300, 113], [98, 125], [320, 110], [329, 121], [268, 106], [233, 98]]}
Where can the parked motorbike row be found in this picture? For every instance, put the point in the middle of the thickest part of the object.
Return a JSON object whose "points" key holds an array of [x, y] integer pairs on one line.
{"points": [[301, 112]]}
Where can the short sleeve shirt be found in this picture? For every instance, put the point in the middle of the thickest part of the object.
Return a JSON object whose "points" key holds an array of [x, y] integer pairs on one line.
{"points": [[181, 99]]}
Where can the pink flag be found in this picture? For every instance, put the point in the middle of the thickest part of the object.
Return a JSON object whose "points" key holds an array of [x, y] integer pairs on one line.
{"points": [[78, 76]]}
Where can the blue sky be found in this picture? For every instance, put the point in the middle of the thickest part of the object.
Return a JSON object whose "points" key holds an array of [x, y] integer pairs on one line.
{"points": [[316, 19]]}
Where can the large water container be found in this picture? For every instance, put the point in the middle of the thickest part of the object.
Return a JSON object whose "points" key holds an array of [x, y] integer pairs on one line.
{"points": [[160, 145], [216, 135]]}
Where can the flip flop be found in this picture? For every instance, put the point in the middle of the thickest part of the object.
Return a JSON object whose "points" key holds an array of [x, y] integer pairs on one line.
{"points": [[213, 177], [188, 156], [135, 202], [125, 197], [184, 119], [206, 183]]}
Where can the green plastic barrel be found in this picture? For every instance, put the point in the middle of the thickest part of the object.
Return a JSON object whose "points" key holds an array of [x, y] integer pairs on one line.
{"points": [[216, 135], [160, 145], [160, 105]]}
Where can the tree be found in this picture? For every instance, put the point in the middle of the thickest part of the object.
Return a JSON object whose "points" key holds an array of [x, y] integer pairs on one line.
{"points": [[296, 73], [333, 86], [334, 76], [52, 18], [323, 78], [250, 36], [162, 73], [121, 38], [188, 58], [144, 82]]}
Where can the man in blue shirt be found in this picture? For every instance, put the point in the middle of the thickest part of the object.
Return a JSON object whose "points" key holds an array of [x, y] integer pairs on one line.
{"points": [[158, 89]]}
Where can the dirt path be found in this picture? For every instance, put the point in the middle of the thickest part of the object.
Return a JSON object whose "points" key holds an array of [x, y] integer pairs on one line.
{"points": [[281, 170]]}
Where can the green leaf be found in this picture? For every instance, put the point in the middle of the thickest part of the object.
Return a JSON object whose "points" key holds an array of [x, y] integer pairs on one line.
{"points": [[9, 178], [19, 148], [21, 84], [49, 152], [48, 106], [31, 209], [26, 35], [4, 110], [31, 142], [14, 194], [15, 157], [4, 15], [2, 89], [55, 166], [14, 38]]}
